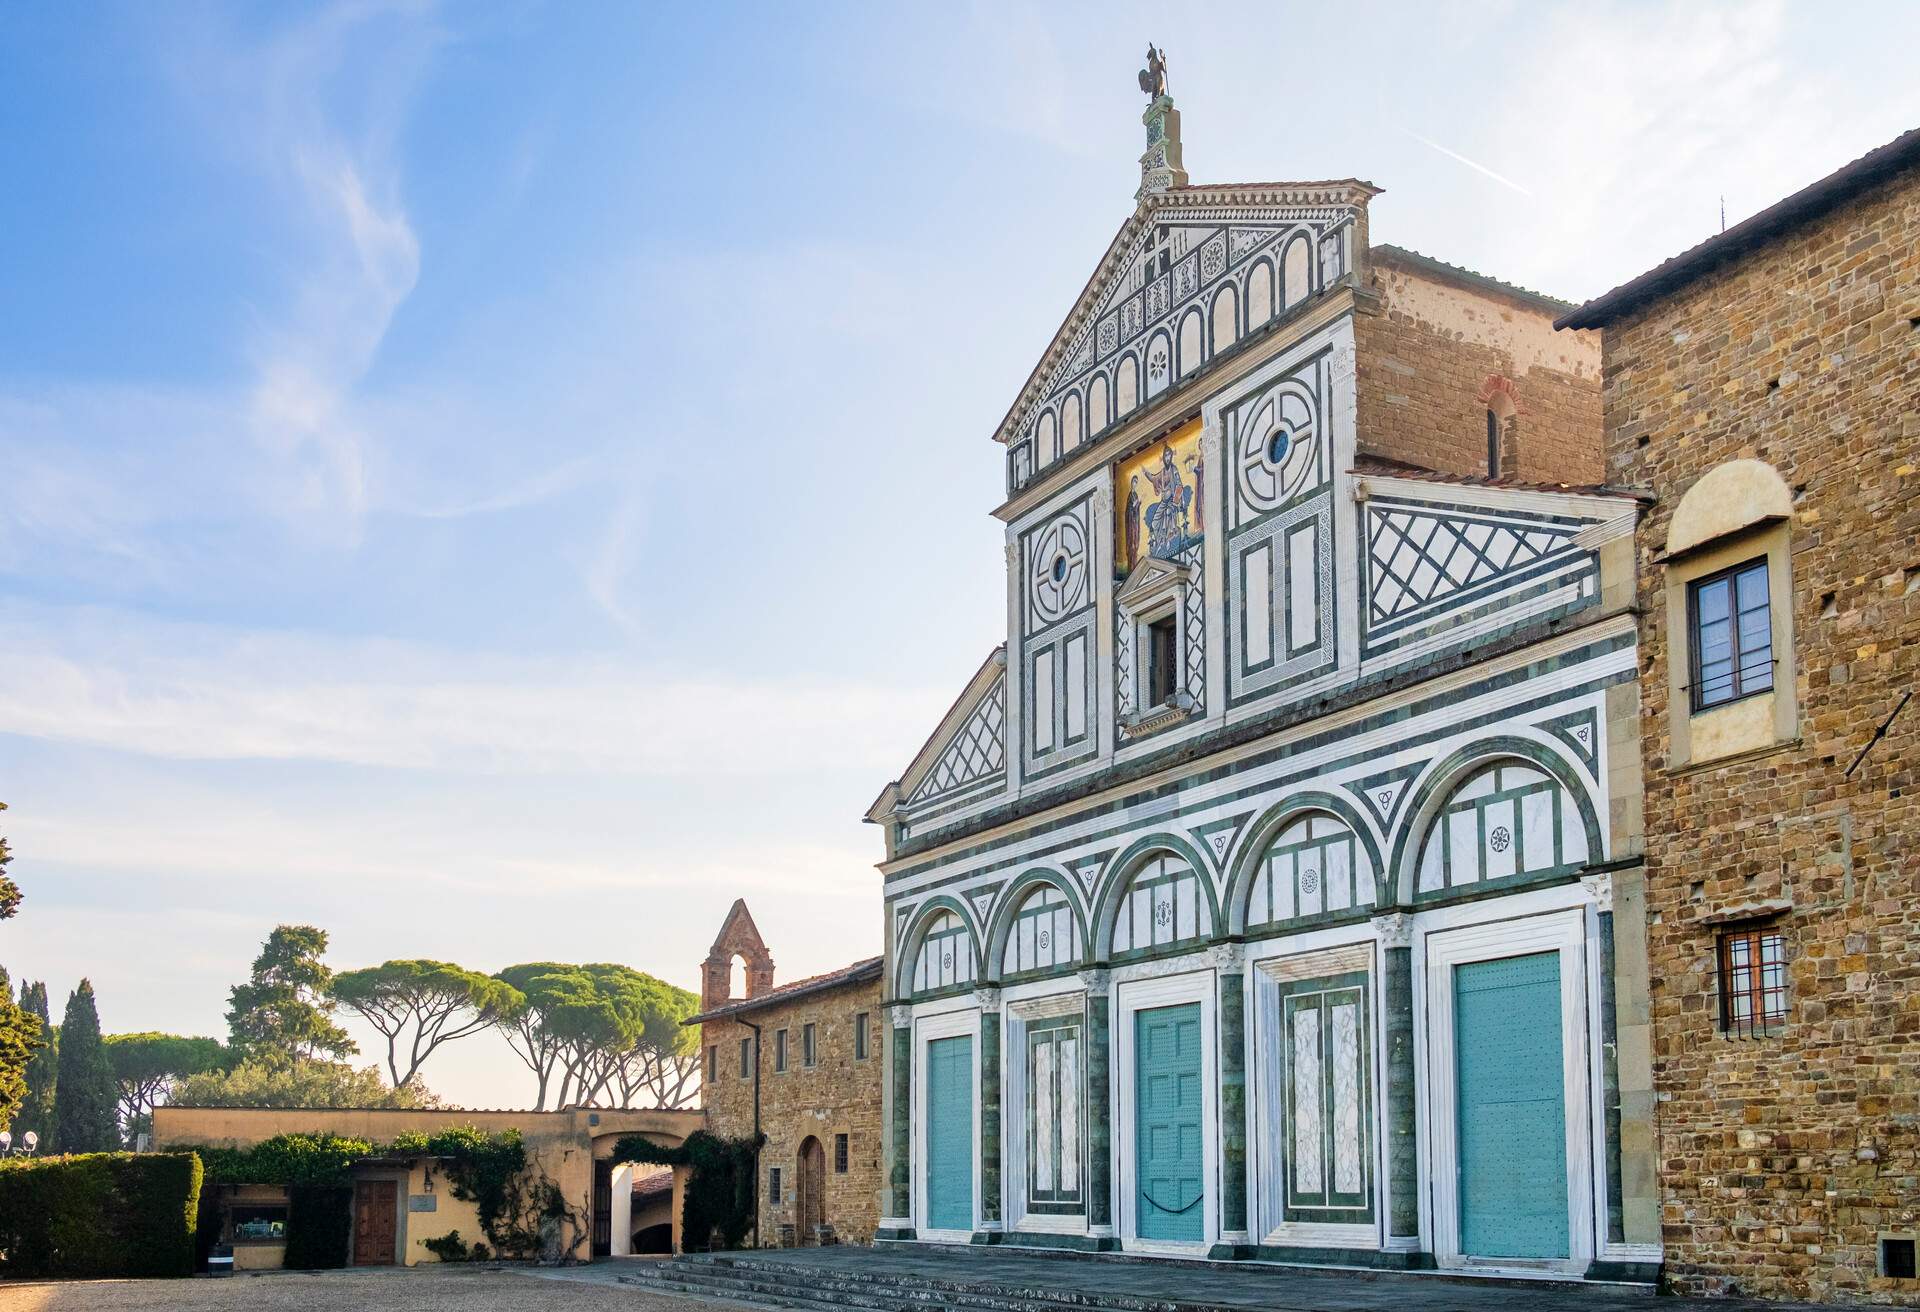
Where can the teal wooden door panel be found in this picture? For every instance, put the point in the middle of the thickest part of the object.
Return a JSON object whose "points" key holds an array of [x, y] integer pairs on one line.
{"points": [[950, 1133], [1512, 1111], [1169, 1173]]}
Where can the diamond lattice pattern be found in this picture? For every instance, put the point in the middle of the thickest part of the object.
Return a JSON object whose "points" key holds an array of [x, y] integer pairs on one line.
{"points": [[977, 750], [1419, 558]]}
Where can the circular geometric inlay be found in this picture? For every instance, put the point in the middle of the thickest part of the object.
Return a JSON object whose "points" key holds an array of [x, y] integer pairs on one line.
{"points": [[1500, 839], [1310, 881], [946, 961], [1277, 446], [1163, 913], [1046, 939]]}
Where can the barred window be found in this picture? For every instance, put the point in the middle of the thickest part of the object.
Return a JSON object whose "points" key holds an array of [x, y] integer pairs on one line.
{"points": [[839, 1154], [1753, 982], [1732, 625], [773, 1184]]}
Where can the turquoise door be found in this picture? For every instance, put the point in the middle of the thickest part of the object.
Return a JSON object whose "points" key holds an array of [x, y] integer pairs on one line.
{"points": [[1512, 1107], [1169, 1176], [950, 1134]]}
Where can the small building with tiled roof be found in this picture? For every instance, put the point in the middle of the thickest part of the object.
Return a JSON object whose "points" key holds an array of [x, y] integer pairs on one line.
{"points": [[798, 1063]]}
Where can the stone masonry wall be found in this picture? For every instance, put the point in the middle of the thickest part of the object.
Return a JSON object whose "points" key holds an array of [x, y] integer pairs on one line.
{"points": [[1423, 363], [1784, 1158], [838, 1095]]}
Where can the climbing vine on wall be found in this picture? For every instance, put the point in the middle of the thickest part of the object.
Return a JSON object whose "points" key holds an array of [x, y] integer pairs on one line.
{"points": [[718, 1209]]}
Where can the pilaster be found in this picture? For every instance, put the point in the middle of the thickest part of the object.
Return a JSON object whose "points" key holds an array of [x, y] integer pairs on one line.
{"points": [[1099, 986], [1395, 935], [1229, 962], [898, 1223], [989, 1000]]}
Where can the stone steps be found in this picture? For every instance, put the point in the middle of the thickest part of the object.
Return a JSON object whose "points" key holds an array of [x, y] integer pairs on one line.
{"points": [[769, 1283]]}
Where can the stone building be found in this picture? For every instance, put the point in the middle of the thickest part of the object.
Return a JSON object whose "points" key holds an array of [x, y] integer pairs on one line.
{"points": [[400, 1202], [1273, 890], [799, 1063], [1765, 385]]}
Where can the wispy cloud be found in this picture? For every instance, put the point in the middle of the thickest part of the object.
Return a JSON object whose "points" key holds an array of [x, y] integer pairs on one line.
{"points": [[1475, 165], [198, 692]]}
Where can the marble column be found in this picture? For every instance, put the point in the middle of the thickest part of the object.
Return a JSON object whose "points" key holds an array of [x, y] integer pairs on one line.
{"points": [[898, 1223], [1227, 960], [989, 1000], [1099, 1104], [1395, 934], [1600, 889]]}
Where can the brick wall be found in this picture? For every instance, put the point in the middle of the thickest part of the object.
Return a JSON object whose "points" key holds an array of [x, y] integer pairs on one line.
{"points": [[838, 1095], [1785, 1157], [1423, 362]]}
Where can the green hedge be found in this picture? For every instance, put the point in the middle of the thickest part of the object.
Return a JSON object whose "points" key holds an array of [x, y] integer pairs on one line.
{"points": [[319, 1226], [99, 1215]]}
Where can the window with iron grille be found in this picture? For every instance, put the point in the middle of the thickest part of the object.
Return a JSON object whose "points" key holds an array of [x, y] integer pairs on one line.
{"points": [[1731, 620], [809, 1050], [779, 1051], [860, 1036], [773, 1184], [1753, 982], [839, 1154]]}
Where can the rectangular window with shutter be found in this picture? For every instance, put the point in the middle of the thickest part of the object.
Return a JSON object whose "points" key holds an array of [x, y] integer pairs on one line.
{"points": [[1753, 982]]}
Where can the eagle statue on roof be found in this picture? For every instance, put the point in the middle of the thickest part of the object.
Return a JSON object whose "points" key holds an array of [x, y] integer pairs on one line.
{"points": [[1153, 78]]}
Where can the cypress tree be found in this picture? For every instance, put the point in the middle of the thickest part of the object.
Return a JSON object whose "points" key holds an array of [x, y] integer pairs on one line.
{"points": [[19, 1040], [36, 1113], [87, 1096]]}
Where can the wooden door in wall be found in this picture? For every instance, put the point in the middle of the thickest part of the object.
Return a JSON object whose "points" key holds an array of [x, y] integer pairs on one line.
{"points": [[949, 1134], [603, 1208], [1512, 1108], [1168, 1161], [375, 1217], [811, 1206]]}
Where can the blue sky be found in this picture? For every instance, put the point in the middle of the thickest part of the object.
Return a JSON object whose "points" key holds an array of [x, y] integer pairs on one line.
{"points": [[500, 482]]}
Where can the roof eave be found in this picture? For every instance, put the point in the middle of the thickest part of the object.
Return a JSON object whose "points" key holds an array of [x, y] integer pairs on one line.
{"points": [[1803, 206]]}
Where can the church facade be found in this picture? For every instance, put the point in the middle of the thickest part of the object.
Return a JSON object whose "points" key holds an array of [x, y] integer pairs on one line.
{"points": [[1273, 891]]}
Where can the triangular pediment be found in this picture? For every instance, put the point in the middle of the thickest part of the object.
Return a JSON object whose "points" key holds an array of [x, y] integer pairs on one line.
{"points": [[1151, 578], [967, 753], [1190, 274]]}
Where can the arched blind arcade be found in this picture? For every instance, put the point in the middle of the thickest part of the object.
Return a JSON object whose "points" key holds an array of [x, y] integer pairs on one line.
{"points": [[1509, 820], [945, 957]]}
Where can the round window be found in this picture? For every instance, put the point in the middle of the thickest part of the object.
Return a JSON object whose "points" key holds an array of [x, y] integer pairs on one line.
{"points": [[1277, 446], [1060, 568]]}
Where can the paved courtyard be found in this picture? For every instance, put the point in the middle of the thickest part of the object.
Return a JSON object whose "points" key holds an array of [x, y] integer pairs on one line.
{"points": [[589, 1289], [600, 1288]]}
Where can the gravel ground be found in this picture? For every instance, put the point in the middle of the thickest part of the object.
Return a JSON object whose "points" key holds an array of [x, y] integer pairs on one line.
{"points": [[419, 1290]]}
